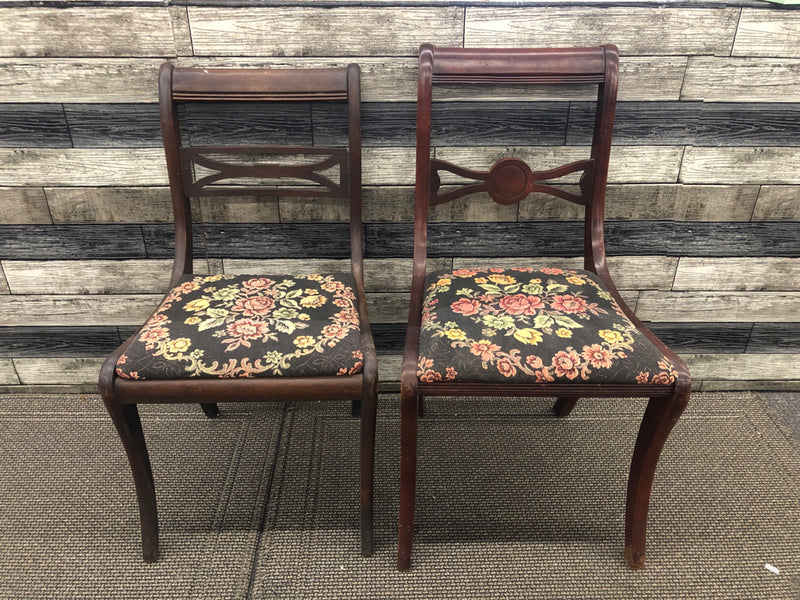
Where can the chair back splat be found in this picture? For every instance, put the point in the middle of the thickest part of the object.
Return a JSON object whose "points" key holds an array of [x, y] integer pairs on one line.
{"points": [[268, 336], [533, 329]]}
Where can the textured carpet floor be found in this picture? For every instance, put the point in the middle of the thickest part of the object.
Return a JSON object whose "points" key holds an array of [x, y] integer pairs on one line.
{"points": [[512, 503]]}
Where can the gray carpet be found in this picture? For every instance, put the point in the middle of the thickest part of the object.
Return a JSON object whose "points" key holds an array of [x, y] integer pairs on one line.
{"points": [[512, 503]]}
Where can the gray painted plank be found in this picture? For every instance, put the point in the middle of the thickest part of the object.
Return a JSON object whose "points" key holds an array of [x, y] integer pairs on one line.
{"points": [[768, 33], [21, 205], [244, 123], [8, 375], [752, 124], [109, 204], [639, 123], [745, 307], [39, 371], [41, 242], [748, 367], [123, 309], [31, 342], [742, 79], [740, 165], [159, 240], [636, 30], [306, 31], [3, 283], [84, 31], [181, 33], [718, 385], [778, 203], [775, 338], [272, 241], [738, 274], [114, 125], [33, 125]]}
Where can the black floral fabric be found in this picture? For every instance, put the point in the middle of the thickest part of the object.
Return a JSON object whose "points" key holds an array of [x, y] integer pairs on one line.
{"points": [[531, 326], [250, 326]]}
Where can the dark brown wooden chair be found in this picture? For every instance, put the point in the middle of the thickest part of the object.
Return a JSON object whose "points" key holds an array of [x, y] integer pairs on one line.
{"points": [[261, 337], [532, 330]]}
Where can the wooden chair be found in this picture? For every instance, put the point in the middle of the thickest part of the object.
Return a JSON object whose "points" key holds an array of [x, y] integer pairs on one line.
{"points": [[532, 330], [262, 337]]}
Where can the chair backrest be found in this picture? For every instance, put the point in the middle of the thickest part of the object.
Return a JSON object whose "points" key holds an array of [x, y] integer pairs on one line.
{"points": [[259, 170], [510, 180]]}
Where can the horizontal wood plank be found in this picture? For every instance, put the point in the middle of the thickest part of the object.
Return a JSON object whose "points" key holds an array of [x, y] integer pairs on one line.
{"points": [[181, 32], [748, 367], [746, 307], [8, 375], [109, 204], [774, 338], [240, 209], [78, 167], [24, 205], [738, 274], [742, 79], [3, 283], [79, 80], [721, 385], [250, 123], [38, 342], [750, 124], [309, 31], [768, 33], [740, 165], [33, 125], [289, 239], [86, 31], [76, 310], [778, 203], [114, 125], [40, 371], [42, 242], [636, 30], [388, 166], [294, 209]]}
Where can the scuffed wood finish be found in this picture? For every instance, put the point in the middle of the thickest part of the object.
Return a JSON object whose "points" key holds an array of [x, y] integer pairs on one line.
{"points": [[79, 80], [768, 33], [769, 338], [90, 31], [300, 31], [238, 209], [109, 204], [33, 371], [732, 367], [709, 306], [703, 338], [39, 342], [74, 167], [22, 205], [78, 310], [23, 125], [738, 274], [89, 276], [182, 35], [41, 242], [742, 79], [388, 166], [741, 165], [778, 203], [8, 375], [113, 125], [752, 124], [636, 30]]}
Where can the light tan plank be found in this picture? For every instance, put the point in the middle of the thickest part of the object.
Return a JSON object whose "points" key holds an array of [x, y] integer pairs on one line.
{"points": [[125, 309], [380, 274], [109, 204], [778, 203], [630, 273], [75, 167], [79, 80], [49, 371], [742, 79], [740, 165], [713, 385], [629, 164], [746, 367], [3, 283], [302, 31], [388, 203], [8, 376], [85, 388], [388, 166], [738, 274], [181, 33], [768, 33], [389, 368], [95, 31], [20, 205], [89, 276], [388, 307], [635, 30], [710, 307], [314, 210], [239, 209], [394, 79]]}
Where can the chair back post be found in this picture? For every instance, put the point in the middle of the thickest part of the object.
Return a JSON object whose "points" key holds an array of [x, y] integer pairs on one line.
{"points": [[181, 209], [594, 247], [354, 170]]}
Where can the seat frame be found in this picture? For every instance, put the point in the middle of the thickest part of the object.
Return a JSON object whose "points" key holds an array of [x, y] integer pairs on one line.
{"points": [[666, 402], [121, 396]]}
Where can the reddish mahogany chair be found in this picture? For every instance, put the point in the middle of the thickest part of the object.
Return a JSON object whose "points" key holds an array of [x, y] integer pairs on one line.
{"points": [[532, 330], [262, 337]]}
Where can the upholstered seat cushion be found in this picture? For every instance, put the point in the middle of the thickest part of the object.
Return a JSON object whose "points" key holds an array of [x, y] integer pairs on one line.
{"points": [[531, 326], [250, 326]]}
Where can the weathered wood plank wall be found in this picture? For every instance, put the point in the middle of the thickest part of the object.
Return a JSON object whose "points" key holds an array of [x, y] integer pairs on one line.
{"points": [[703, 203]]}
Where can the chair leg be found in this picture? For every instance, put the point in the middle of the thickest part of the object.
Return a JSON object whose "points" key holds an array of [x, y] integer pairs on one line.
{"points": [[355, 408], [369, 408], [421, 408], [409, 405], [210, 409], [564, 405], [129, 427], [659, 419]]}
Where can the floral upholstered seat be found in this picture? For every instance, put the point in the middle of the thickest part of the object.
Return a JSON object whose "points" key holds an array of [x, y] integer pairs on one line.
{"points": [[250, 326], [531, 326]]}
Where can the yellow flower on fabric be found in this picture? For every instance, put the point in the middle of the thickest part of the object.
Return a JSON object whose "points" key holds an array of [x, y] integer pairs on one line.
{"points": [[226, 293], [528, 336], [192, 320], [304, 341], [612, 337], [563, 332], [480, 280], [212, 278], [576, 280], [502, 279], [196, 305], [179, 346], [313, 301], [455, 334], [444, 281]]}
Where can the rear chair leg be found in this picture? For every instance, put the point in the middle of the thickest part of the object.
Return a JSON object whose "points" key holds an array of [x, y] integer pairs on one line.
{"points": [[210, 409], [409, 405], [564, 405], [129, 427], [369, 408]]}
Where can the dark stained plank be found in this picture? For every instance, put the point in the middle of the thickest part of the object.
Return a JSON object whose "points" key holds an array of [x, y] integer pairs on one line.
{"points": [[703, 338], [114, 125], [278, 123], [269, 240], [42, 242], [159, 240], [33, 126], [734, 239], [453, 123], [30, 342], [752, 124], [389, 337], [639, 123], [775, 338]]}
